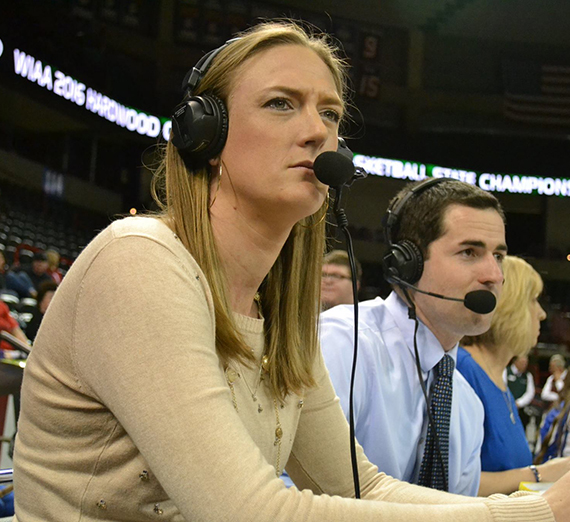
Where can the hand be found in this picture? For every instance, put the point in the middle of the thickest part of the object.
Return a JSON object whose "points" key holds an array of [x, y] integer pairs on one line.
{"points": [[558, 499], [552, 470]]}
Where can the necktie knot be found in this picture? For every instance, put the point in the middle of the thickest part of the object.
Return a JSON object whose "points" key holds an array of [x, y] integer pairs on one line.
{"points": [[445, 366]]}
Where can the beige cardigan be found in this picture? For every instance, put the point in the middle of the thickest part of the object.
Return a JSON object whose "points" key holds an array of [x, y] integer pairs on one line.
{"points": [[127, 414]]}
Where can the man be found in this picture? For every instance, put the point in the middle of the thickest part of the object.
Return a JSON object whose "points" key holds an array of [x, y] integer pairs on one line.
{"points": [[336, 282], [458, 230], [521, 383]]}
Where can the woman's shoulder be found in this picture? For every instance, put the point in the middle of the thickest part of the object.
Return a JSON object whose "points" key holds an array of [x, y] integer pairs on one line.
{"points": [[465, 363], [141, 234], [151, 226], [468, 367]]}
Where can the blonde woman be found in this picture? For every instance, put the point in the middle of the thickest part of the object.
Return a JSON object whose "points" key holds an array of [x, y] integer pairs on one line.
{"points": [[505, 456], [177, 370]]}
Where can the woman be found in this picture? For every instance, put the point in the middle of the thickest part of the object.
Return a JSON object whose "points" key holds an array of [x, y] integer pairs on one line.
{"points": [[505, 456], [160, 386]]}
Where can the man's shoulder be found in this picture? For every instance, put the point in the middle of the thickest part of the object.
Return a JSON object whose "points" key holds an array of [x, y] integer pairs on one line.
{"points": [[368, 314], [374, 323]]}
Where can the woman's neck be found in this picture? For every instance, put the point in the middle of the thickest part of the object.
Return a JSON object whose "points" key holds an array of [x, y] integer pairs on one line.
{"points": [[247, 252], [493, 361]]}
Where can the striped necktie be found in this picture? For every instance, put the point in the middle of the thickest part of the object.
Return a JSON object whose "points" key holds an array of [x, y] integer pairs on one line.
{"points": [[432, 474]]}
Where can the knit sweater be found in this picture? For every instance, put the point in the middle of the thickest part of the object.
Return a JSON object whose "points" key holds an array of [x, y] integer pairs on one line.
{"points": [[129, 415]]}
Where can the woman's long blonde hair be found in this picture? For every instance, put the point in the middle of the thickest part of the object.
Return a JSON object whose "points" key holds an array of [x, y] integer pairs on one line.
{"points": [[290, 293], [511, 326]]}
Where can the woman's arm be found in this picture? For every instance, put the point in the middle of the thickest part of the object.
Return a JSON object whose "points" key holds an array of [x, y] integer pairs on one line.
{"points": [[508, 481], [547, 393]]}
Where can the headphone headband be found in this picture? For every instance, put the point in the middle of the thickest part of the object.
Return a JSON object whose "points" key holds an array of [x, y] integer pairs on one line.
{"points": [[392, 216], [194, 76]]}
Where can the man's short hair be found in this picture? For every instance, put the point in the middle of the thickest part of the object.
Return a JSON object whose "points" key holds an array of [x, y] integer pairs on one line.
{"points": [[340, 258], [421, 219]]}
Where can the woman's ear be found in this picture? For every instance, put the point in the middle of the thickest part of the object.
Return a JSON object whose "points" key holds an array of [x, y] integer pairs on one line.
{"points": [[214, 162]]}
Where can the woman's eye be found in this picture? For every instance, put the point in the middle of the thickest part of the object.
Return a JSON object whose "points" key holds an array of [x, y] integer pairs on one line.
{"points": [[332, 115], [280, 104]]}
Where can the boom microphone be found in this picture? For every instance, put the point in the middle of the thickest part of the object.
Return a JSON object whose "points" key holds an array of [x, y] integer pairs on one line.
{"points": [[333, 168], [478, 301]]}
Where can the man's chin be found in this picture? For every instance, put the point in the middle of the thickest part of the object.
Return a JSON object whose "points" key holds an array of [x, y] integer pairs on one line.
{"points": [[479, 326]]}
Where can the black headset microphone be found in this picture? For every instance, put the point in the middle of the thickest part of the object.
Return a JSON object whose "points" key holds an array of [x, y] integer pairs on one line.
{"points": [[478, 301], [336, 170]]}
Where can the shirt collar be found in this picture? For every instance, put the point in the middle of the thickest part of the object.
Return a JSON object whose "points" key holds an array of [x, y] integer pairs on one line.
{"points": [[429, 348]]}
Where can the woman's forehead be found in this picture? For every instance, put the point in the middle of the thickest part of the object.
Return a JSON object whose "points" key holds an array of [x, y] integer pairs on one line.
{"points": [[285, 64]]}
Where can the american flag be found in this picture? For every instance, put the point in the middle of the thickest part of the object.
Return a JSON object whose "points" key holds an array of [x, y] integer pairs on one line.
{"points": [[537, 93]]}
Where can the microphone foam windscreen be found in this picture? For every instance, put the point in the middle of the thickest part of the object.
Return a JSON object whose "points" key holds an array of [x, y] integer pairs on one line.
{"points": [[333, 168], [480, 301]]}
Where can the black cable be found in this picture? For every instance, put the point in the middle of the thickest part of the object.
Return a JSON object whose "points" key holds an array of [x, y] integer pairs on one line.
{"points": [[342, 223], [412, 315]]}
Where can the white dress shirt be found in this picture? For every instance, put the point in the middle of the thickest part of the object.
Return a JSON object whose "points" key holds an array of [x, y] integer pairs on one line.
{"points": [[389, 406], [548, 394]]}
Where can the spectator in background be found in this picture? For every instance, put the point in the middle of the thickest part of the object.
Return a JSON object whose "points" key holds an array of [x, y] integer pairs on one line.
{"points": [[336, 281], [10, 375], [38, 271], [18, 282], [10, 325], [506, 460], [521, 384], [45, 294], [555, 381], [53, 265], [554, 430]]}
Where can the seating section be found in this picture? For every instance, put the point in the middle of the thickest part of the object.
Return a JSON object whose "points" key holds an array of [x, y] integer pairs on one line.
{"points": [[31, 221]]}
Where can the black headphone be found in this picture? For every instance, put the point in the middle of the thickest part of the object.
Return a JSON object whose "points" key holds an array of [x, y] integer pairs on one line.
{"points": [[200, 123], [403, 260]]}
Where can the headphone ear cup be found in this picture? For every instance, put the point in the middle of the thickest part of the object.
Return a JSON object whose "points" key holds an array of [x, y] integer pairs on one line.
{"points": [[200, 127], [405, 261]]}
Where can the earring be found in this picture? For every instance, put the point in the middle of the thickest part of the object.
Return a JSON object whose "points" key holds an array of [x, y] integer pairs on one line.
{"points": [[219, 183], [326, 205]]}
